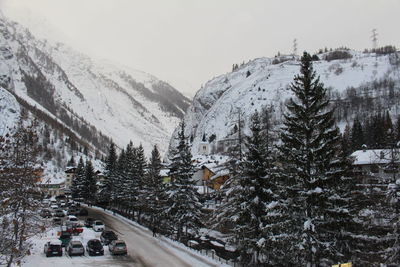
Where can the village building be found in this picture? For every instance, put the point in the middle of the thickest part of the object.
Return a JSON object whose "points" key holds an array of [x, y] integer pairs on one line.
{"points": [[53, 188], [210, 172], [204, 148], [164, 173], [376, 165], [70, 175]]}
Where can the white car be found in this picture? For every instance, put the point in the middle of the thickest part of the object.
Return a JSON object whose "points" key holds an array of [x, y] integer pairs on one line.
{"points": [[98, 226], [72, 221]]}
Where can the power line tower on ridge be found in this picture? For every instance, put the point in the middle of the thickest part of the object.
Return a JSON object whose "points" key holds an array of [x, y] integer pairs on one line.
{"points": [[374, 37], [294, 47]]}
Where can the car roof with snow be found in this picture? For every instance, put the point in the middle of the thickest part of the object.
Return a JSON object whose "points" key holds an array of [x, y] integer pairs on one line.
{"points": [[55, 242]]}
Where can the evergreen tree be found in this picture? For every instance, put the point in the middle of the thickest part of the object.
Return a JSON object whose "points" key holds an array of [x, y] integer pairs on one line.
{"points": [[346, 141], [120, 181], [256, 199], [313, 172], [71, 162], [78, 181], [155, 188], [184, 208], [89, 188], [140, 166], [131, 192], [107, 191], [357, 135]]}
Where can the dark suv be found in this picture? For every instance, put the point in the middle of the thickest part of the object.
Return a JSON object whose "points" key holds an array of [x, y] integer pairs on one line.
{"points": [[107, 236], [88, 222], [53, 248], [94, 247]]}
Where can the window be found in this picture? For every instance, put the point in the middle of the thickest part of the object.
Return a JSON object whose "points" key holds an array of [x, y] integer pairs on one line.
{"points": [[374, 169]]}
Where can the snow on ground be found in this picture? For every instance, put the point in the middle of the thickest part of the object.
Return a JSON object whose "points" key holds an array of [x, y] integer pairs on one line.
{"points": [[216, 107], [143, 256], [194, 257], [38, 258]]}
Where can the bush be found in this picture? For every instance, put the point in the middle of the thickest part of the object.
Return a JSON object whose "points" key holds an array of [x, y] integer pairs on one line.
{"points": [[338, 54], [389, 49], [315, 57]]}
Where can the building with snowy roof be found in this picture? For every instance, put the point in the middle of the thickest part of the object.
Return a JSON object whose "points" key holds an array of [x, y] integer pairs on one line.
{"points": [[379, 164], [210, 171]]}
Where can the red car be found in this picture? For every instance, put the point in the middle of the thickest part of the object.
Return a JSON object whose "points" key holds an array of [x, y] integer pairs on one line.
{"points": [[75, 230]]}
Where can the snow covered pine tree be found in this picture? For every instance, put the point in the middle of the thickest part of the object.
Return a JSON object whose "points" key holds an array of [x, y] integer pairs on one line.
{"points": [[184, 208], [314, 173]]}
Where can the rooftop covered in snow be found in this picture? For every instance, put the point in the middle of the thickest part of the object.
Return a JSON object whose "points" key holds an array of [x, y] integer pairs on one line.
{"points": [[374, 156]]}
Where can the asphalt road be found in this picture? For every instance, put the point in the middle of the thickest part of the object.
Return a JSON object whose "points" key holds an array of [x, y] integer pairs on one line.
{"points": [[143, 249]]}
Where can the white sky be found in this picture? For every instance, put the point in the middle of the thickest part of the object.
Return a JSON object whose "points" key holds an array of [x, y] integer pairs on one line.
{"points": [[188, 42]]}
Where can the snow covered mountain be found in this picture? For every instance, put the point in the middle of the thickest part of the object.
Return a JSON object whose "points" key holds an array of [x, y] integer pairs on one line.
{"points": [[264, 83], [121, 103]]}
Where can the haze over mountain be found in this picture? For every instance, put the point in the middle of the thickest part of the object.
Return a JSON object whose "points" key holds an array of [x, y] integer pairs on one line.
{"points": [[122, 103]]}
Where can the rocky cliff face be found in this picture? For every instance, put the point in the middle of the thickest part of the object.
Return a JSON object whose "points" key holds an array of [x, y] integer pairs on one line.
{"points": [[353, 80]]}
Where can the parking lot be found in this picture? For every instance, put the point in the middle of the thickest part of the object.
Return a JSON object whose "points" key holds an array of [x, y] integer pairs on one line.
{"points": [[142, 248], [38, 256]]}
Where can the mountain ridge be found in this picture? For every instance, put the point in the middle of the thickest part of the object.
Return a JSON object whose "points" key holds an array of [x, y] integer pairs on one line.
{"points": [[122, 103], [263, 83]]}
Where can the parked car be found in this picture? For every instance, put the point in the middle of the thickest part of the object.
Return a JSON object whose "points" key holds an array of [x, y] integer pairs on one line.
{"points": [[94, 247], [89, 222], [72, 221], [83, 212], [57, 221], [59, 213], [45, 213], [107, 236], [74, 230], [73, 211], [118, 247], [65, 237], [53, 248], [75, 247], [46, 202], [98, 226]]}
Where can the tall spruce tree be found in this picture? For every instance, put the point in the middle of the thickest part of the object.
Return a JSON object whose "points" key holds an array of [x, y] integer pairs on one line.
{"points": [[131, 191], [140, 166], [256, 198], [78, 181], [357, 135], [106, 189], [119, 182], [184, 208], [71, 162], [89, 188], [313, 172], [155, 188]]}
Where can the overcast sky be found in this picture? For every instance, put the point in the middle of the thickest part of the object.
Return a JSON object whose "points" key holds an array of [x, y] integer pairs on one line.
{"points": [[188, 42]]}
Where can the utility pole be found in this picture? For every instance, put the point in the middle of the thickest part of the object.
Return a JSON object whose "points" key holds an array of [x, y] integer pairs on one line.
{"points": [[240, 134], [374, 38], [294, 47]]}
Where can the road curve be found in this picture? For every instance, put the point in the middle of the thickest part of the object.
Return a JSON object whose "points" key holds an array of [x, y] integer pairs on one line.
{"points": [[141, 246]]}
